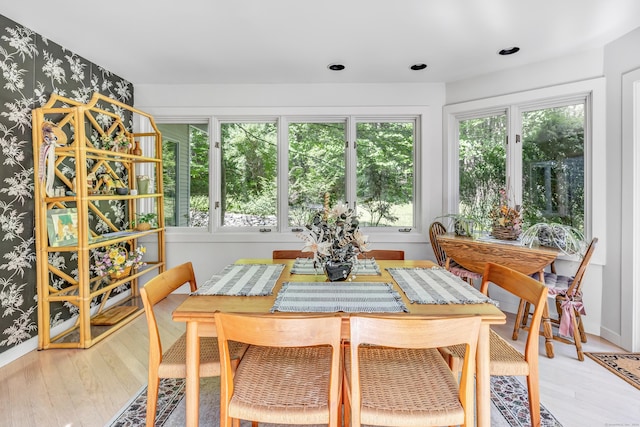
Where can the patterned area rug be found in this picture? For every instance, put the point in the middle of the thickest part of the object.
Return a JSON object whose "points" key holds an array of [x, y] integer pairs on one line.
{"points": [[624, 365], [508, 396]]}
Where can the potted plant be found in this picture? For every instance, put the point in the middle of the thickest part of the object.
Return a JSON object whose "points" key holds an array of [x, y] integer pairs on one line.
{"points": [[120, 142], [144, 222], [568, 239], [335, 239], [462, 225]]}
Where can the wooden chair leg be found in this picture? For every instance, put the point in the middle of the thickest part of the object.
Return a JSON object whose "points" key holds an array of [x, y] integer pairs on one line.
{"points": [[576, 336], [516, 324], [548, 330], [534, 398], [152, 399], [583, 334]]}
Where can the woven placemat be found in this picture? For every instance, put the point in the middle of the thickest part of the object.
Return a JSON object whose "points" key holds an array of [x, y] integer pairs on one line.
{"points": [[624, 365], [436, 286], [243, 280], [332, 297]]}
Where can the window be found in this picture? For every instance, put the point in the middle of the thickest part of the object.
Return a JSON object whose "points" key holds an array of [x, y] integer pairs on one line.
{"points": [[385, 187], [185, 174], [536, 153], [271, 174], [553, 164], [248, 196], [316, 167]]}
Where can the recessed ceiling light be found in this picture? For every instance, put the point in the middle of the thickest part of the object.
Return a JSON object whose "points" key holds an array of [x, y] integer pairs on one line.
{"points": [[335, 67], [417, 67], [509, 51]]}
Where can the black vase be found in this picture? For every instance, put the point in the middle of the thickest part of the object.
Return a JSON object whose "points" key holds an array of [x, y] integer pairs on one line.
{"points": [[337, 271]]}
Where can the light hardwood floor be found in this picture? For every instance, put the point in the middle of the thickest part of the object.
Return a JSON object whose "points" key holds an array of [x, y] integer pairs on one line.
{"points": [[87, 387]]}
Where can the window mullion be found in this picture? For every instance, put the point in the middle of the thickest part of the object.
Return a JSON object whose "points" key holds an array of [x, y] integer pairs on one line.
{"points": [[283, 173], [350, 161], [514, 155]]}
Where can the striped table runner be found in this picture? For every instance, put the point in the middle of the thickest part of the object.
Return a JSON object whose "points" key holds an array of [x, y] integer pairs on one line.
{"points": [[243, 280], [331, 297], [364, 267], [436, 286]]}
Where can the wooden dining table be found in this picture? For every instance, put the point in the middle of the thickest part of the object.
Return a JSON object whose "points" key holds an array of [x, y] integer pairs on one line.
{"points": [[197, 311], [474, 253]]}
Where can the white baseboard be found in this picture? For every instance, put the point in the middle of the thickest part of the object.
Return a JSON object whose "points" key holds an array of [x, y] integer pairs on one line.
{"points": [[612, 337], [31, 344]]}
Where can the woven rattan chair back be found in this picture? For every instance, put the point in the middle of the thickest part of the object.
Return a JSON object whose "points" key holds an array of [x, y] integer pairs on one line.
{"points": [[436, 229], [290, 374], [394, 374]]}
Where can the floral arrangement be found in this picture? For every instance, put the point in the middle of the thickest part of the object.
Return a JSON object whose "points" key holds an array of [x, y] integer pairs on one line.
{"points": [[118, 143], [116, 259], [334, 236], [504, 215]]}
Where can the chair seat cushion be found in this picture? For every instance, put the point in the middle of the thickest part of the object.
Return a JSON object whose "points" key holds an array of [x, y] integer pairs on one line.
{"points": [[173, 363], [293, 380], [462, 272], [409, 387], [557, 284]]}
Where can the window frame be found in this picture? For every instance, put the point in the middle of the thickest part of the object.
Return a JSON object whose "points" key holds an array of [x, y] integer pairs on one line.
{"points": [[284, 233], [593, 91]]}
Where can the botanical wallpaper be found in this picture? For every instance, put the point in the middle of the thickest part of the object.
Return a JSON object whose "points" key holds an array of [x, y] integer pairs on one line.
{"points": [[32, 68]]}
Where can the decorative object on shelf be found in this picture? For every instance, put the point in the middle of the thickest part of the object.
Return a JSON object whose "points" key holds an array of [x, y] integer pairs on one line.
{"points": [[142, 182], [120, 274], [145, 222], [52, 137], [568, 239], [137, 151], [335, 240], [120, 143], [116, 260], [62, 226], [123, 191], [506, 220]]}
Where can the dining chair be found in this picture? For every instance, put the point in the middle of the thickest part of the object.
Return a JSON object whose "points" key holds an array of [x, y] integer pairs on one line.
{"points": [[395, 376], [383, 254], [290, 374], [567, 292], [290, 254], [436, 229], [504, 358], [172, 363]]}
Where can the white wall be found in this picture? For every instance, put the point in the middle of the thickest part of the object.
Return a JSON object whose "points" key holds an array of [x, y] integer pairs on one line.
{"points": [[210, 253], [620, 57]]}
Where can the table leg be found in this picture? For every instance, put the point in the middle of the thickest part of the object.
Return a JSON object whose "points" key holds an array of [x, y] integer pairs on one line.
{"points": [[547, 330], [193, 377], [483, 399]]}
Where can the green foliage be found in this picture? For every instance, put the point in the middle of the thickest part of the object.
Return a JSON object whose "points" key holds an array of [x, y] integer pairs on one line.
{"points": [[200, 203], [552, 159]]}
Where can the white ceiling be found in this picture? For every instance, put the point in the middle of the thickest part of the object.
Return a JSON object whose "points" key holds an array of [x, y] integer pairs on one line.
{"points": [[293, 41]]}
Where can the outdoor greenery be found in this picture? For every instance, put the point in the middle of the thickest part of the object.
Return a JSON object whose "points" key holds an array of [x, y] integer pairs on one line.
{"points": [[316, 166], [552, 166]]}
